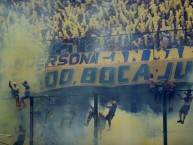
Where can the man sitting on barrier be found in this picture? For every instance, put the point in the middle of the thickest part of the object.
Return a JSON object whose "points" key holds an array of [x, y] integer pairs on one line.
{"points": [[111, 113], [27, 93], [14, 91], [186, 107]]}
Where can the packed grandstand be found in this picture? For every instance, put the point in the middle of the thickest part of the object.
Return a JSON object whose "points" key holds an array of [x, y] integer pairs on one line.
{"points": [[88, 25]]}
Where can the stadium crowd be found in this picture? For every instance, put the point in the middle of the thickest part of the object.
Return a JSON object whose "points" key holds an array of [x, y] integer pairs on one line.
{"points": [[87, 25]]}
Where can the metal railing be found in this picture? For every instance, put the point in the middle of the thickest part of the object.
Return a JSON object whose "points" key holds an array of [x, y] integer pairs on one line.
{"points": [[133, 41]]}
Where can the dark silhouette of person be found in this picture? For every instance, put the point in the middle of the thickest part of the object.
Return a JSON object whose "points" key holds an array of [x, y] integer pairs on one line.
{"points": [[186, 107], [21, 136], [91, 115], [111, 113]]}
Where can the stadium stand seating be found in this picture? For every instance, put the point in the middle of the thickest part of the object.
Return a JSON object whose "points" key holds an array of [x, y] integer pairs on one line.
{"points": [[103, 24]]}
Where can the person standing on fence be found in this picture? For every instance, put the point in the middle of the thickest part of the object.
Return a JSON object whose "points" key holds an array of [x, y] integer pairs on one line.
{"points": [[14, 91], [27, 93], [186, 107]]}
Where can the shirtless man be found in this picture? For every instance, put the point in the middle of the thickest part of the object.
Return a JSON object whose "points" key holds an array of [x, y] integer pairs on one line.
{"points": [[186, 107]]}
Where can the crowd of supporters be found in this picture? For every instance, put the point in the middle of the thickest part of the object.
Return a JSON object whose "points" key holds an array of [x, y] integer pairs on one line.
{"points": [[87, 25]]}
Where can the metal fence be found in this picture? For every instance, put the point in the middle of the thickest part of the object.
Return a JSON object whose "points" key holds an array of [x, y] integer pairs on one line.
{"points": [[134, 41], [61, 120]]}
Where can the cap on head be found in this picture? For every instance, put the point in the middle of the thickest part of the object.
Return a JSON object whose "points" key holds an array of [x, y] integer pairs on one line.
{"points": [[25, 82], [189, 90], [14, 83]]}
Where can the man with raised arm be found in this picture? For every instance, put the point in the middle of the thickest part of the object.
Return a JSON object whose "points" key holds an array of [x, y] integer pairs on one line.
{"points": [[27, 93], [101, 123], [186, 107], [111, 113], [14, 91]]}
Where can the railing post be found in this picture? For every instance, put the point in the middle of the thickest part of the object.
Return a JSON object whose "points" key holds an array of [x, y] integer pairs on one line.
{"points": [[96, 119], [165, 118], [31, 119]]}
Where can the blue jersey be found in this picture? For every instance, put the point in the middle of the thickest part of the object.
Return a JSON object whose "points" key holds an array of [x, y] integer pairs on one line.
{"points": [[14, 90], [27, 89]]}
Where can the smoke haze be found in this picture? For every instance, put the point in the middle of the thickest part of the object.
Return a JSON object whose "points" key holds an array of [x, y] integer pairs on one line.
{"points": [[52, 120], [18, 52]]}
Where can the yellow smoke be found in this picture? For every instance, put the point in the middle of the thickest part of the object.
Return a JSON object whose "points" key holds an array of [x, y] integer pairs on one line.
{"points": [[20, 49], [19, 55], [143, 129]]}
